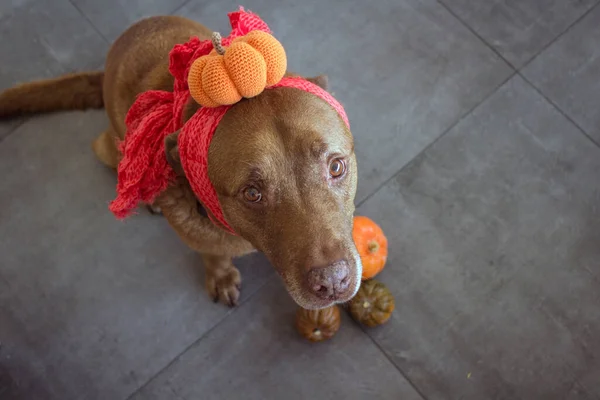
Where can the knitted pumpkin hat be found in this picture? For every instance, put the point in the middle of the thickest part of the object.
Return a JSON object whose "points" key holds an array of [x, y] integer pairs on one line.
{"points": [[217, 74]]}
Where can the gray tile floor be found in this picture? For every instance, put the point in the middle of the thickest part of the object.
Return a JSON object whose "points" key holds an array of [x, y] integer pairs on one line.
{"points": [[477, 126]]}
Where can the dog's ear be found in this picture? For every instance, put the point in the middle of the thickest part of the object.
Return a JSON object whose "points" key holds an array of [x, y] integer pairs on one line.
{"points": [[322, 81], [172, 153]]}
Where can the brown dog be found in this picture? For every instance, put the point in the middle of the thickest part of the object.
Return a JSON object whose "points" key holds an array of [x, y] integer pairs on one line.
{"points": [[286, 146]]}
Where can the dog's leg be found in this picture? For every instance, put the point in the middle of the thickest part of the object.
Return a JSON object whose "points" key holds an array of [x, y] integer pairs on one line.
{"points": [[223, 280], [105, 149]]}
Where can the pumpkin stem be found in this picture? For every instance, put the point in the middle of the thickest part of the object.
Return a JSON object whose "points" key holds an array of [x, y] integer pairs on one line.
{"points": [[373, 246], [216, 41]]}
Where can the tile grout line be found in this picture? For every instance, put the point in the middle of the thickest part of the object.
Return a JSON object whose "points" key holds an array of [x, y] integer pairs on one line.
{"points": [[89, 21], [14, 128], [573, 339], [526, 63], [476, 34], [539, 91], [196, 341], [27, 118], [385, 354], [533, 57], [426, 148], [179, 7], [560, 111], [565, 31], [383, 184], [514, 73]]}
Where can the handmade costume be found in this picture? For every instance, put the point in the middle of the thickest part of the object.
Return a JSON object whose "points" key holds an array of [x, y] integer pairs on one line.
{"points": [[216, 73]]}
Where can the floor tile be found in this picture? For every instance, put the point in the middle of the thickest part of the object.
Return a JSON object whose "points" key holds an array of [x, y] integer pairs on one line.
{"points": [[590, 381], [573, 300], [93, 307], [265, 358], [44, 38], [112, 17], [7, 7], [519, 29], [8, 126], [578, 392], [405, 70], [490, 231], [568, 72]]}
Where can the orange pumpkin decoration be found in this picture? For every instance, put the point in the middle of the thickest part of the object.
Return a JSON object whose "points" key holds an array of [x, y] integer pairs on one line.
{"points": [[371, 244], [373, 304], [318, 325], [244, 69]]}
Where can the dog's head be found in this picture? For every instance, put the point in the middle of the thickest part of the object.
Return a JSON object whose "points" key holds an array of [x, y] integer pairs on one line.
{"points": [[284, 170]]}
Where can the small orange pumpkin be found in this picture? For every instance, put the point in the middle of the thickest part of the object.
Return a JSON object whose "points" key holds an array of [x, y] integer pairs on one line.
{"points": [[318, 325], [371, 244], [244, 69], [373, 304]]}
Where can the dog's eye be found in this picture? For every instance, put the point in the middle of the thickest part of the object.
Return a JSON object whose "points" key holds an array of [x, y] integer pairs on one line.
{"points": [[252, 195], [337, 167]]}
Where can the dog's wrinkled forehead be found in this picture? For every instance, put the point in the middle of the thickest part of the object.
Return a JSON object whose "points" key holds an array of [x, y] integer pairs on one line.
{"points": [[280, 127]]}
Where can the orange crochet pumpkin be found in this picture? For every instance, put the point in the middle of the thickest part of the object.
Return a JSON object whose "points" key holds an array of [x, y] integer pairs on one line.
{"points": [[371, 244], [244, 69]]}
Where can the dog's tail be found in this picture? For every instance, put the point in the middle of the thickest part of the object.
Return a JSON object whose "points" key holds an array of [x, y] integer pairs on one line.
{"points": [[68, 92]]}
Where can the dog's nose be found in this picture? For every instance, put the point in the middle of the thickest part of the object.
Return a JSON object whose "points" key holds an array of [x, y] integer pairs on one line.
{"points": [[330, 281]]}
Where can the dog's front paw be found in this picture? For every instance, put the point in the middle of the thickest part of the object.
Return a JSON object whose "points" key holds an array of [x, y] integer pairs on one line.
{"points": [[224, 285]]}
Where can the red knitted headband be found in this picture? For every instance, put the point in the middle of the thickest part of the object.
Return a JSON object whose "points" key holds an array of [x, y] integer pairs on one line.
{"points": [[144, 172]]}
